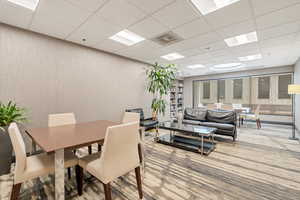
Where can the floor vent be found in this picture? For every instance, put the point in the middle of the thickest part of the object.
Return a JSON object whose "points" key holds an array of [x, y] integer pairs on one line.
{"points": [[167, 39]]}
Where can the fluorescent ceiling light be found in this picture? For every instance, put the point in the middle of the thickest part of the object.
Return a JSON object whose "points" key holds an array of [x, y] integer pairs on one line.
{"points": [[241, 39], [227, 66], [195, 66], [208, 6], [29, 4], [173, 56], [127, 37], [251, 57]]}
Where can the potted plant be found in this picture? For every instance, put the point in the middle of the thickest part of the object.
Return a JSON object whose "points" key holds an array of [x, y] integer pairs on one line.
{"points": [[160, 80], [9, 113]]}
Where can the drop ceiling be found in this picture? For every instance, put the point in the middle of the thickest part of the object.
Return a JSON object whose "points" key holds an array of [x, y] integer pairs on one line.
{"points": [[92, 22]]}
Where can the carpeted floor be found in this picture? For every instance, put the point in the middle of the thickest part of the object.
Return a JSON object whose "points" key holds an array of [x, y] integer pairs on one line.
{"points": [[260, 165]]}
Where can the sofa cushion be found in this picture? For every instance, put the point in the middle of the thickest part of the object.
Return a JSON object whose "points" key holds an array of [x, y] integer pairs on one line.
{"points": [[221, 116], [229, 127], [195, 114], [193, 122]]}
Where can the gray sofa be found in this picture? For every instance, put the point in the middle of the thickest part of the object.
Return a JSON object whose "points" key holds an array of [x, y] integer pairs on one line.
{"points": [[223, 120]]}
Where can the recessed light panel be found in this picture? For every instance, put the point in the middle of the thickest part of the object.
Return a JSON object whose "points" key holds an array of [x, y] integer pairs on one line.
{"points": [[227, 66], [127, 37], [208, 6], [198, 66], [251, 57], [241, 39], [29, 4], [173, 56]]}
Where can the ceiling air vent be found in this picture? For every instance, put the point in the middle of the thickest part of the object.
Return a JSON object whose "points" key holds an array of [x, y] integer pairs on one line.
{"points": [[167, 39]]}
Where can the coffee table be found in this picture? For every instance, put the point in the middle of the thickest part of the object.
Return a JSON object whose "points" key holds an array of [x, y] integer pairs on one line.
{"points": [[189, 137]]}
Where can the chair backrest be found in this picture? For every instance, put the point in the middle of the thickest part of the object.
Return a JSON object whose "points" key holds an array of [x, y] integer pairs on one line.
{"points": [[236, 106], [120, 151], [137, 110], [61, 119], [19, 148], [131, 117], [256, 112], [227, 107]]}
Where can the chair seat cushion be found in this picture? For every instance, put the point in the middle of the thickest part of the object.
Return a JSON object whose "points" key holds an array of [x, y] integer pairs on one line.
{"points": [[84, 161], [43, 164], [218, 125]]}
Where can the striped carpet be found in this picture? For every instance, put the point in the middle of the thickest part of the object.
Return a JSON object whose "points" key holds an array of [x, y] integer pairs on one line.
{"points": [[261, 165]]}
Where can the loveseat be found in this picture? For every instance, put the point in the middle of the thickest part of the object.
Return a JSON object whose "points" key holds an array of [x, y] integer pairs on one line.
{"points": [[223, 120]]}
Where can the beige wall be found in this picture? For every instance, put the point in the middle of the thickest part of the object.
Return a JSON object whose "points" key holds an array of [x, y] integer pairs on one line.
{"points": [[188, 84], [297, 102], [47, 75]]}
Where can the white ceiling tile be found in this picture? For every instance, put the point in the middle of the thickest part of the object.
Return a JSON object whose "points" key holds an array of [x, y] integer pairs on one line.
{"points": [[265, 6], [192, 52], [247, 48], [90, 5], [279, 17], [278, 30], [150, 6], [109, 45], [15, 15], [234, 13], [237, 29], [148, 28], [278, 41], [176, 14], [142, 51], [194, 42], [67, 17], [121, 13], [193, 28], [94, 30]]}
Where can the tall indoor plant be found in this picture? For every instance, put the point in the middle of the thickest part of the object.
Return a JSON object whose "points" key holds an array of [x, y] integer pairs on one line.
{"points": [[160, 80], [9, 113]]}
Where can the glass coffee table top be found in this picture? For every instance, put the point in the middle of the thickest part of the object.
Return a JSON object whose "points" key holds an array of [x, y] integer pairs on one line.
{"points": [[189, 137], [188, 128]]}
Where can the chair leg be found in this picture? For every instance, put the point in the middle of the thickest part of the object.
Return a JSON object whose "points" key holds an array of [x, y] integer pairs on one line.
{"points": [[139, 181], [79, 179], [69, 172], [99, 147], [90, 149], [107, 191], [140, 152], [257, 123], [15, 191]]}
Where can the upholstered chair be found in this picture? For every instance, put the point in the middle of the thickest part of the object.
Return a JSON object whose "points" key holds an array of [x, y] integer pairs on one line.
{"points": [[119, 156], [131, 117], [31, 167]]}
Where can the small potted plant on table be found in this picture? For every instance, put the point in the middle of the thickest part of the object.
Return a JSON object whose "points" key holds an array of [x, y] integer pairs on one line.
{"points": [[9, 113]]}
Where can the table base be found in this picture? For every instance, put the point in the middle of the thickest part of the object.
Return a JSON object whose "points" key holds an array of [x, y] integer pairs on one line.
{"points": [[188, 144]]}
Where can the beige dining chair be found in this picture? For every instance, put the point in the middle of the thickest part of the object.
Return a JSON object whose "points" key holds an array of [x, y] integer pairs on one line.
{"points": [[119, 156], [31, 167], [255, 116], [131, 117]]}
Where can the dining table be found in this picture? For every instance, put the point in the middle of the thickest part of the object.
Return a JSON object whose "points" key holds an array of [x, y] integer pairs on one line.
{"points": [[68, 137]]}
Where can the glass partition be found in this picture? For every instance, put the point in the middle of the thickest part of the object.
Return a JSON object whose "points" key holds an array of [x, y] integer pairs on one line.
{"points": [[270, 92]]}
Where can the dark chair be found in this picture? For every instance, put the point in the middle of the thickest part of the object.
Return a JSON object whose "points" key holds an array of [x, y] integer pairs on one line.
{"points": [[147, 123]]}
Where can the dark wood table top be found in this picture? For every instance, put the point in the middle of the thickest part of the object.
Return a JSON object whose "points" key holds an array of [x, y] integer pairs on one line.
{"points": [[70, 136]]}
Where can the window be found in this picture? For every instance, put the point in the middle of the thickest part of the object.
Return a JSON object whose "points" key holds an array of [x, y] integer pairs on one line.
{"points": [[206, 90], [238, 88], [264, 87], [283, 82], [221, 89]]}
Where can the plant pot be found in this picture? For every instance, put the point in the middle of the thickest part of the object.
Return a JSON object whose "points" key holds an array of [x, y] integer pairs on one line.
{"points": [[5, 152]]}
